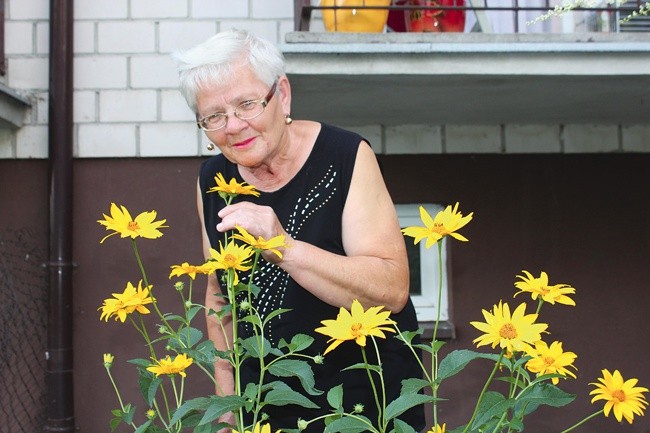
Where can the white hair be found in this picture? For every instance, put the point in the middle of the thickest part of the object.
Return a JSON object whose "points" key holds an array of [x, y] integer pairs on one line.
{"points": [[215, 61]]}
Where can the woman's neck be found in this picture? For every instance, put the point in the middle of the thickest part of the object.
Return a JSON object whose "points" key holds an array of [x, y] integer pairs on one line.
{"points": [[284, 164]]}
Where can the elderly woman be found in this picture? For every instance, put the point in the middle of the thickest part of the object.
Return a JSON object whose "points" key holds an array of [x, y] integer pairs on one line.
{"points": [[322, 189]]}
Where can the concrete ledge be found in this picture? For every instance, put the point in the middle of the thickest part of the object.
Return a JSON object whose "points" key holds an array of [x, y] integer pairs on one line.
{"points": [[12, 108]]}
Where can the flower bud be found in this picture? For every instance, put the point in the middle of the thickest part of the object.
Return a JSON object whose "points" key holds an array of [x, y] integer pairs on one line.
{"points": [[179, 285], [319, 359], [108, 360], [302, 424], [244, 305], [358, 408], [151, 414]]}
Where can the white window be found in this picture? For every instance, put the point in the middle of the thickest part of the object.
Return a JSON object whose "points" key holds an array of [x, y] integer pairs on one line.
{"points": [[424, 266]]}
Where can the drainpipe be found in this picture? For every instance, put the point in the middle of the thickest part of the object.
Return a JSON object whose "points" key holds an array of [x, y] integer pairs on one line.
{"points": [[60, 404]]}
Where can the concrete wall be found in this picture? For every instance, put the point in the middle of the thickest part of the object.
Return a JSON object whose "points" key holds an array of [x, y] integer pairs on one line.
{"points": [[126, 102]]}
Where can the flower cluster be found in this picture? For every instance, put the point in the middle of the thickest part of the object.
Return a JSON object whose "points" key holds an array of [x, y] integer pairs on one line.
{"points": [[531, 367]]}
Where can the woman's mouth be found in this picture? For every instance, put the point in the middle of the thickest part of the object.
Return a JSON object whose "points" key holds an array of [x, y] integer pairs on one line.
{"points": [[243, 143]]}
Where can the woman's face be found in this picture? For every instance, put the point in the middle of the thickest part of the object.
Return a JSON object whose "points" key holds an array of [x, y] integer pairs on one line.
{"points": [[251, 142]]}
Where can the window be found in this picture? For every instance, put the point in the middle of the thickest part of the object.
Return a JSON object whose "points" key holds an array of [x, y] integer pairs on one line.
{"points": [[424, 267]]}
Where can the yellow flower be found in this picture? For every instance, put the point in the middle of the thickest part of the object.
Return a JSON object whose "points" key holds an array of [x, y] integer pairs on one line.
{"points": [[514, 333], [258, 428], [121, 222], [438, 429], [232, 188], [623, 396], [187, 269], [108, 360], [540, 287], [233, 257], [446, 222], [169, 366], [123, 304], [551, 360], [260, 243], [356, 325]]}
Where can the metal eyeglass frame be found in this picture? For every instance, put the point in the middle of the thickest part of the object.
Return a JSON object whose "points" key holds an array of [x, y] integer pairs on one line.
{"points": [[263, 101]]}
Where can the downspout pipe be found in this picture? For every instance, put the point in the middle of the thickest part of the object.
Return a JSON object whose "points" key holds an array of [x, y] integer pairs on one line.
{"points": [[60, 403]]}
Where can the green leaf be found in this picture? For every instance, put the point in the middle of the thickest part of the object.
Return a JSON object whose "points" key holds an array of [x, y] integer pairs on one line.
{"points": [[348, 424], [413, 385], [493, 405], [129, 413], [400, 426], [193, 311], [275, 313], [408, 336], [143, 427], [456, 360], [405, 402], [220, 405], [546, 394], [200, 403], [144, 363], [251, 346], [186, 339], [254, 319], [335, 397], [282, 395], [214, 407], [296, 368], [362, 366], [153, 388], [299, 342], [114, 423]]}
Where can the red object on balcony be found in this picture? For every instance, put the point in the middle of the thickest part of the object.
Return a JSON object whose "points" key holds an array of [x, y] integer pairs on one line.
{"points": [[435, 20]]}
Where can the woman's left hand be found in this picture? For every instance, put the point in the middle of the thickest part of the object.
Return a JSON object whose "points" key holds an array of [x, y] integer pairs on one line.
{"points": [[256, 220]]}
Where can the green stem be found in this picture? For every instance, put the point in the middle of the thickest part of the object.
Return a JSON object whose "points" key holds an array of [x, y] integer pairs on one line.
{"points": [[435, 328], [143, 331], [372, 384], [117, 392], [593, 415], [434, 357], [487, 383], [384, 424], [146, 283]]}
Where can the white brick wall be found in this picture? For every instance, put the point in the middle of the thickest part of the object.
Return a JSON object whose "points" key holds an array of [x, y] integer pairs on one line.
{"points": [[127, 104]]}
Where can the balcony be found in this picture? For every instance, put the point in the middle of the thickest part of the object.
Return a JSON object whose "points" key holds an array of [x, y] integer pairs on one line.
{"points": [[474, 77]]}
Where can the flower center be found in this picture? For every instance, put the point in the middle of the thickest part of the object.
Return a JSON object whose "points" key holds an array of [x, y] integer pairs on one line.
{"points": [[619, 395], [356, 330], [133, 226], [230, 260], [508, 331], [548, 361], [439, 228], [545, 290]]}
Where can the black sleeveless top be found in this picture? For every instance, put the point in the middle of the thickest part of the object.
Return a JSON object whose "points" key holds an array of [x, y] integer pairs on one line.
{"points": [[310, 208]]}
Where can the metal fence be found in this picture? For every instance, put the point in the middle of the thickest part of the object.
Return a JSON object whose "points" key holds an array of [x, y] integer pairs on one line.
{"points": [[23, 334]]}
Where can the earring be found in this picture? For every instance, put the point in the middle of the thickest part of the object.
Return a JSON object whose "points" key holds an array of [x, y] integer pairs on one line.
{"points": [[287, 119], [210, 146]]}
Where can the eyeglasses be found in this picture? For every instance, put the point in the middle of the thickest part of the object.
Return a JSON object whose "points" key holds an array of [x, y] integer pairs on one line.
{"points": [[247, 110]]}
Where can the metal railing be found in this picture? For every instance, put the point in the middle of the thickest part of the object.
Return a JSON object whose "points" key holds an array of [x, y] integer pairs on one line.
{"points": [[603, 18]]}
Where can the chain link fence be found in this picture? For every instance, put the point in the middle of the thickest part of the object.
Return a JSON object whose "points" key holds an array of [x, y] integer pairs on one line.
{"points": [[23, 332]]}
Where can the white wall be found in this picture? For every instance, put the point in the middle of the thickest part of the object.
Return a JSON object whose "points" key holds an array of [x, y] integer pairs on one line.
{"points": [[126, 102]]}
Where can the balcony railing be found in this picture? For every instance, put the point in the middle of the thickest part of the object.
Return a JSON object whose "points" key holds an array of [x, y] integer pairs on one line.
{"points": [[487, 16]]}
